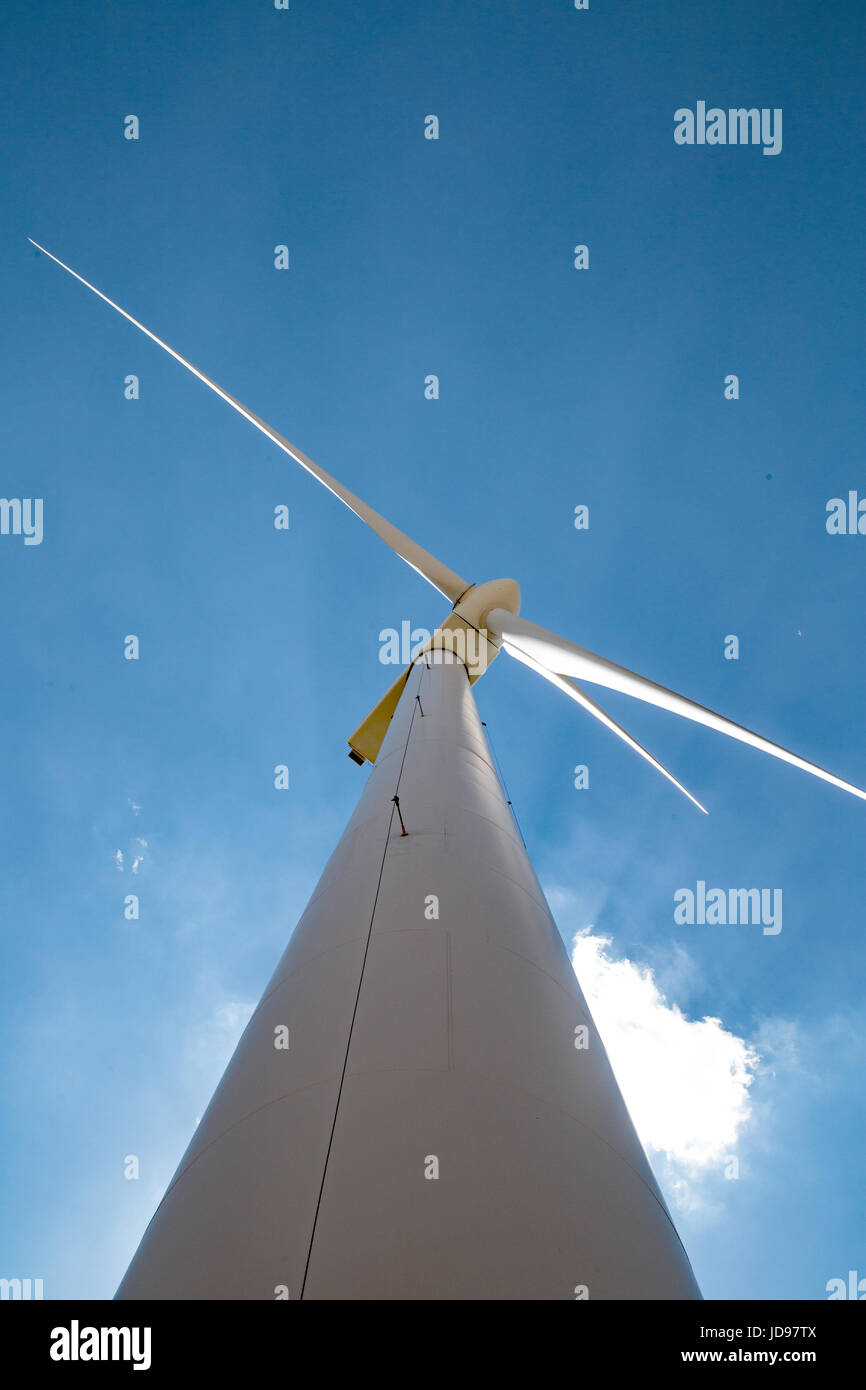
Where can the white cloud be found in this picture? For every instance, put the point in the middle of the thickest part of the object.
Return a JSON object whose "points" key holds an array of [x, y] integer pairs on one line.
{"points": [[685, 1081], [118, 858]]}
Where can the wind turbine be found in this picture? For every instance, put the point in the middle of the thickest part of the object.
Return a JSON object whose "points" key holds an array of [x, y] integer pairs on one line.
{"points": [[420, 1106]]}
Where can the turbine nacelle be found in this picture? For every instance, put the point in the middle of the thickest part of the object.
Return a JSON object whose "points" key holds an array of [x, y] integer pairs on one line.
{"points": [[464, 633]]}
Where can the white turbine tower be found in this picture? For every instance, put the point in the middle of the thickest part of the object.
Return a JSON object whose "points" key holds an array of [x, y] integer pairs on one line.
{"points": [[420, 1106]]}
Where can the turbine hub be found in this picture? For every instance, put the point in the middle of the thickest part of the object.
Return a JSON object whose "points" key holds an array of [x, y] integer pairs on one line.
{"points": [[477, 602]]}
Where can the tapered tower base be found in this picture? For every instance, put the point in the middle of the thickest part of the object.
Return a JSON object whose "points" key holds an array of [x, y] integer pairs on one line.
{"points": [[444, 1122]]}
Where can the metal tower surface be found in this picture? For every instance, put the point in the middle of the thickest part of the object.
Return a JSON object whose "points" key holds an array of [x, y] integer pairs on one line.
{"points": [[431, 1131]]}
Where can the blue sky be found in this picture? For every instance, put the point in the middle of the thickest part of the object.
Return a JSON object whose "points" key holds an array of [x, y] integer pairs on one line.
{"points": [[258, 647]]}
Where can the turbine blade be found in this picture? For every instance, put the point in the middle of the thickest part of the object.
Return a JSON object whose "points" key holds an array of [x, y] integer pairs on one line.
{"points": [[570, 688], [524, 638], [425, 564]]}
